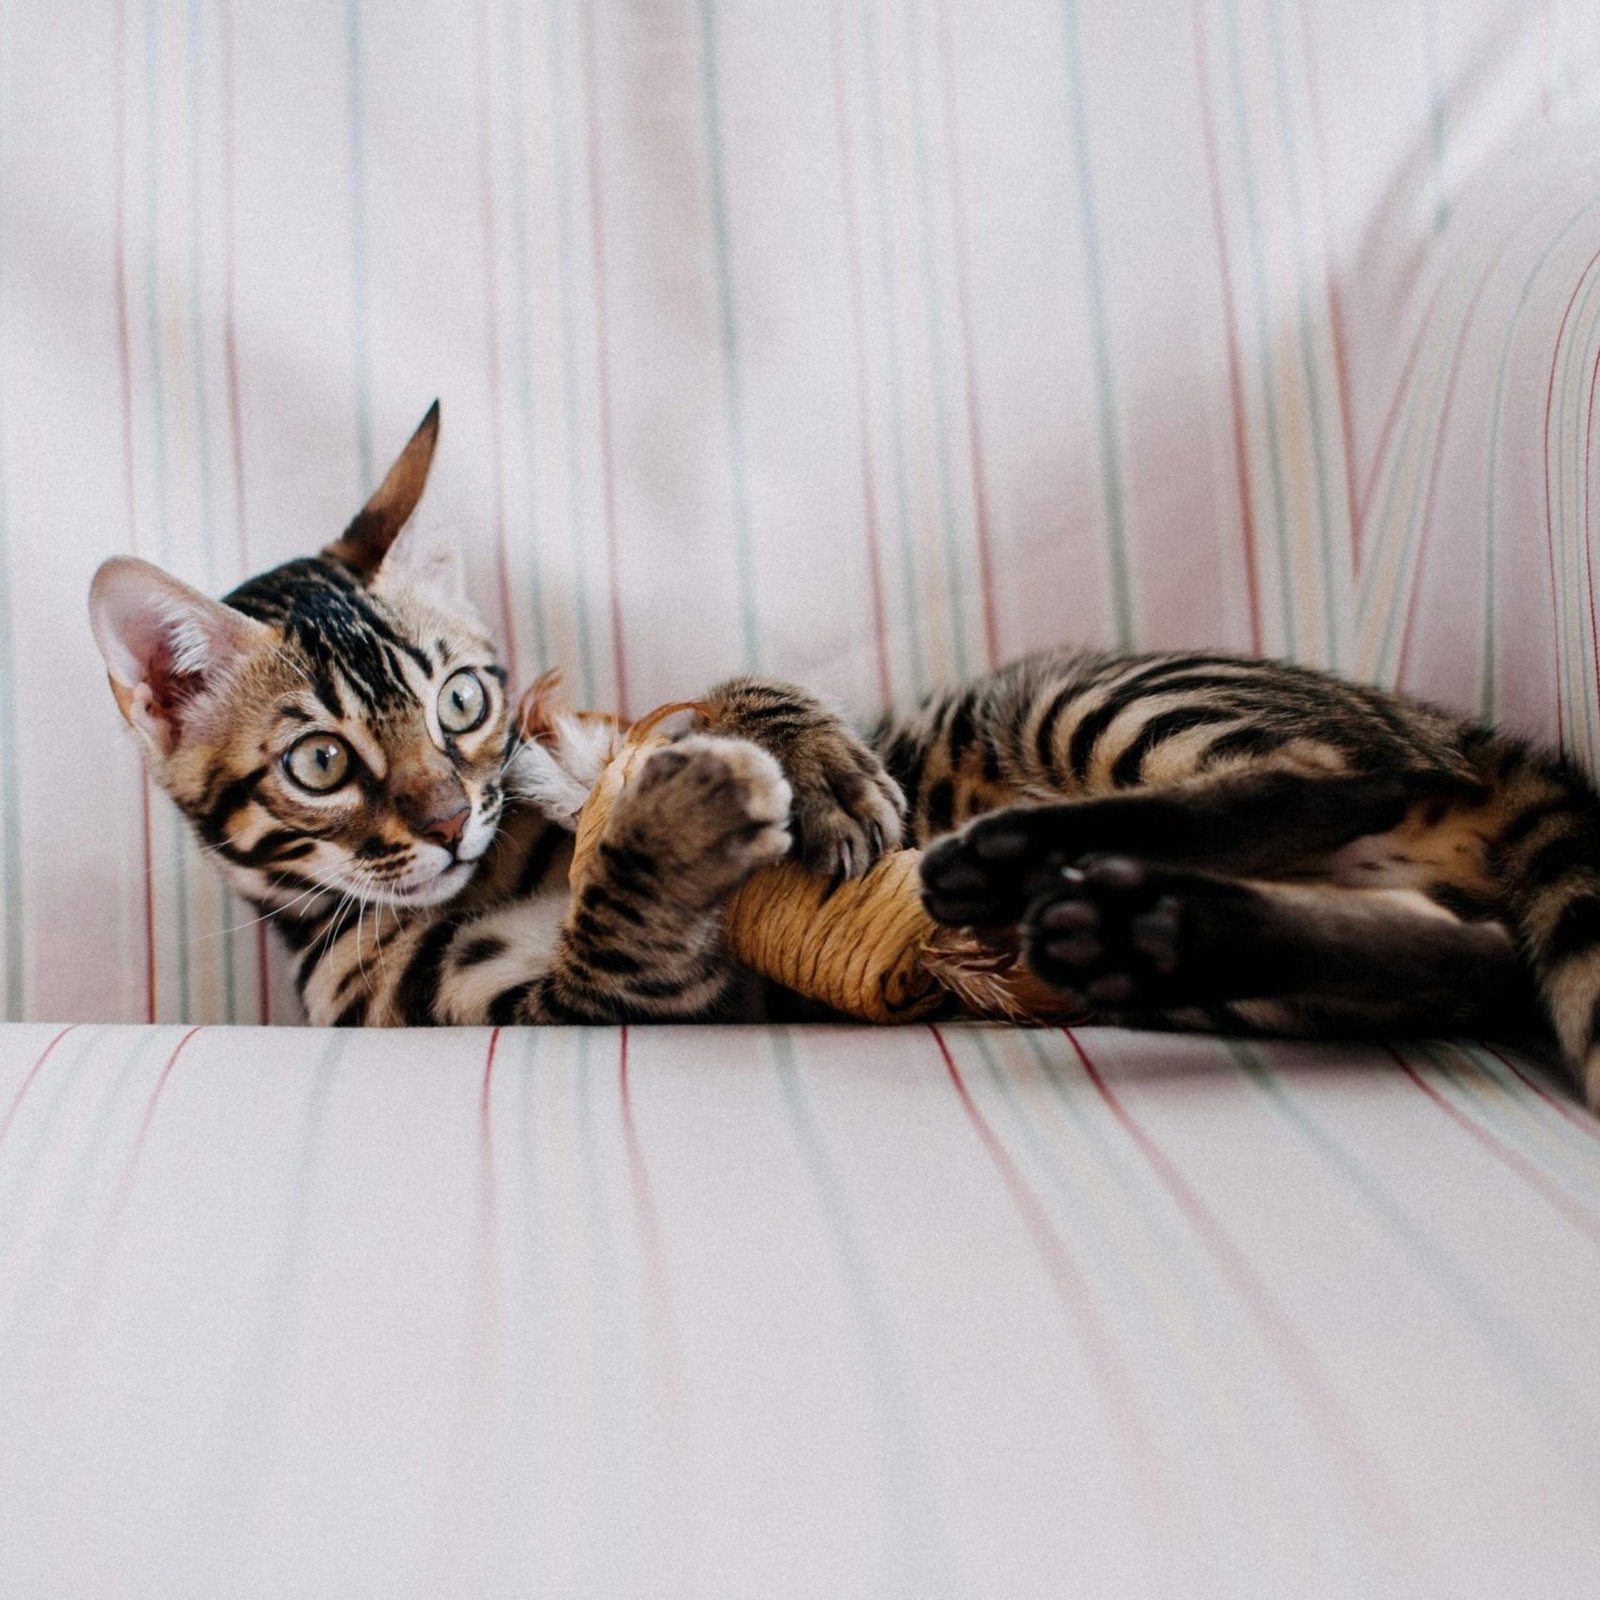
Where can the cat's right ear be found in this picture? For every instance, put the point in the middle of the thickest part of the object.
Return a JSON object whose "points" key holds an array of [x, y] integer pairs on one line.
{"points": [[363, 545], [164, 644]]}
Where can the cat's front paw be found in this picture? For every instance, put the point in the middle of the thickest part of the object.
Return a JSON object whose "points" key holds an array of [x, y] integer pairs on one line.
{"points": [[700, 817], [847, 809]]}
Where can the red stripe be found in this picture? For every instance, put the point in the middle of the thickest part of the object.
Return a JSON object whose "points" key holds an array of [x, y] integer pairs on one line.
{"points": [[869, 483], [1247, 516], [602, 342], [663, 1321], [1573, 1113], [136, 1150], [980, 495], [1582, 1220], [1075, 1295], [491, 317], [1362, 1474], [33, 1072], [230, 368], [125, 364]]}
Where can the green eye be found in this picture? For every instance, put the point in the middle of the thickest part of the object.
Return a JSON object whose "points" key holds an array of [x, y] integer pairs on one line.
{"points": [[463, 702], [319, 762]]}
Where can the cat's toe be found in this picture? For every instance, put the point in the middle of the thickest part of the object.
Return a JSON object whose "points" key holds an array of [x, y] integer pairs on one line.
{"points": [[847, 809], [986, 875]]}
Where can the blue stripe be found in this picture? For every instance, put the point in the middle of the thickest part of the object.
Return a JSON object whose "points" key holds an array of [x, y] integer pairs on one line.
{"points": [[915, 1564], [877, 165], [358, 248], [1111, 484], [566, 289], [13, 932], [523, 301], [728, 326], [1524, 1365], [955, 569], [1264, 335]]}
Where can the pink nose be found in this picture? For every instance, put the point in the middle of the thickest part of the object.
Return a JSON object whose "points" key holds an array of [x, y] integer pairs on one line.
{"points": [[446, 831]]}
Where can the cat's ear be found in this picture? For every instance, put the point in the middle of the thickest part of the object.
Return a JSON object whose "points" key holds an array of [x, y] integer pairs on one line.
{"points": [[363, 545], [164, 644]]}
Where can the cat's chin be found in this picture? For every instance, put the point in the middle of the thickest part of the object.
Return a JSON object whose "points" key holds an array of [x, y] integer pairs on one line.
{"points": [[445, 886]]}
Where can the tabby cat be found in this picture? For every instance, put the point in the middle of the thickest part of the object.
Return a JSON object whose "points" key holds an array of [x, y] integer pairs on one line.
{"points": [[1189, 840], [338, 733], [1208, 841]]}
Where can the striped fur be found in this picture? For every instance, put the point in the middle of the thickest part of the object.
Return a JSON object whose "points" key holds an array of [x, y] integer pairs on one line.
{"points": [[409, 891], [1215, 841]]}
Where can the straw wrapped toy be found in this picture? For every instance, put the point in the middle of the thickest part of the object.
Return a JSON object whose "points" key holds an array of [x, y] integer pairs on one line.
{"points": [[865, 946]]}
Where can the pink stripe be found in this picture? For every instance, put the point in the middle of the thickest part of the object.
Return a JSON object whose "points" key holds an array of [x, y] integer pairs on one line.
{"points": [[980, 495], [869, 483], [1588, 509], [492, 333], [663, 1321], [125, 362], [1573, 1114], [136, 1150], [1582, 1220], [230, 368], [488, 1223], [1074, 1293], [602, 342], [33, 1072], [1363, 1475], [1241, 458]]}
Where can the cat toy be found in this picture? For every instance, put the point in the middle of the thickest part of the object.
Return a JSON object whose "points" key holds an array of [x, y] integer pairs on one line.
{"points": [[864, 947]]}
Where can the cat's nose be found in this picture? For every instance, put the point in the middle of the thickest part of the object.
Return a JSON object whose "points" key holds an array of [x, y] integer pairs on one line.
{"points": [[446, 831]]}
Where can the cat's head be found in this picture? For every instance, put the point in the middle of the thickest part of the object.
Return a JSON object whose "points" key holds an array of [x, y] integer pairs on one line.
{"points": [[337, 723]]}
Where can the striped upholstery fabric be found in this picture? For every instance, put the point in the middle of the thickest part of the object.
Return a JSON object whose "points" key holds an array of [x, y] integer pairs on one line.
{"points": [[972, 1313], [867, 340]]}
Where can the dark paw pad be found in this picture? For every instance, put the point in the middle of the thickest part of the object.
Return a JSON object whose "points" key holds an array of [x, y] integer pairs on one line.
{"points": [[988, 874], [1118, 933]]}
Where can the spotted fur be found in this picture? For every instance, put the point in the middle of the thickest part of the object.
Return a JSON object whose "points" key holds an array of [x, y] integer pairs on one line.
{"points": [[415, 889]]}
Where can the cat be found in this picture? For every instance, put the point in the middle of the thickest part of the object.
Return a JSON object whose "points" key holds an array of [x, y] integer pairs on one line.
{"points": [[338, 733], [1211, 841]]}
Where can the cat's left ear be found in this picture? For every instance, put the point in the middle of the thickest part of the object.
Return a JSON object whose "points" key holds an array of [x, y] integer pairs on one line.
{"points": [[364, 544]]}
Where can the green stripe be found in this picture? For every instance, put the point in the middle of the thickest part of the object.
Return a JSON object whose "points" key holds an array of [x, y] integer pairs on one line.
{"points": [[1264, 336], [522, 298], [1488, 690], [914, 1562], [158, 424], [877, 165], [1308, 357], [1112, 487], [727, 319], [225, 903], [13, 934], [358, 245], [955, 569], [239, 1460], [1436, 106], [566, 290]]}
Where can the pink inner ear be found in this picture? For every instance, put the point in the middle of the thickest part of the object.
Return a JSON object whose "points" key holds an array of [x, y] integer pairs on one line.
{"points": [[170, 689]]}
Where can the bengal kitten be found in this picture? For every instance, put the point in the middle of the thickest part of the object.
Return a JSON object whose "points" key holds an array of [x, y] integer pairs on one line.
{"points": [[1212, 842], [337, 732]]}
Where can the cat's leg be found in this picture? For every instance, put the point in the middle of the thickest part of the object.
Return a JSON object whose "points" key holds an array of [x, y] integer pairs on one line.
{"points": [[1123, 936], [642, 938], [1240, 824], [847, 809]]}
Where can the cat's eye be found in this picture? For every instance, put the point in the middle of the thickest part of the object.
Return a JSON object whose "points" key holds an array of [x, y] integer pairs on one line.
{"points": [[463, 702], [319, 762]]}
